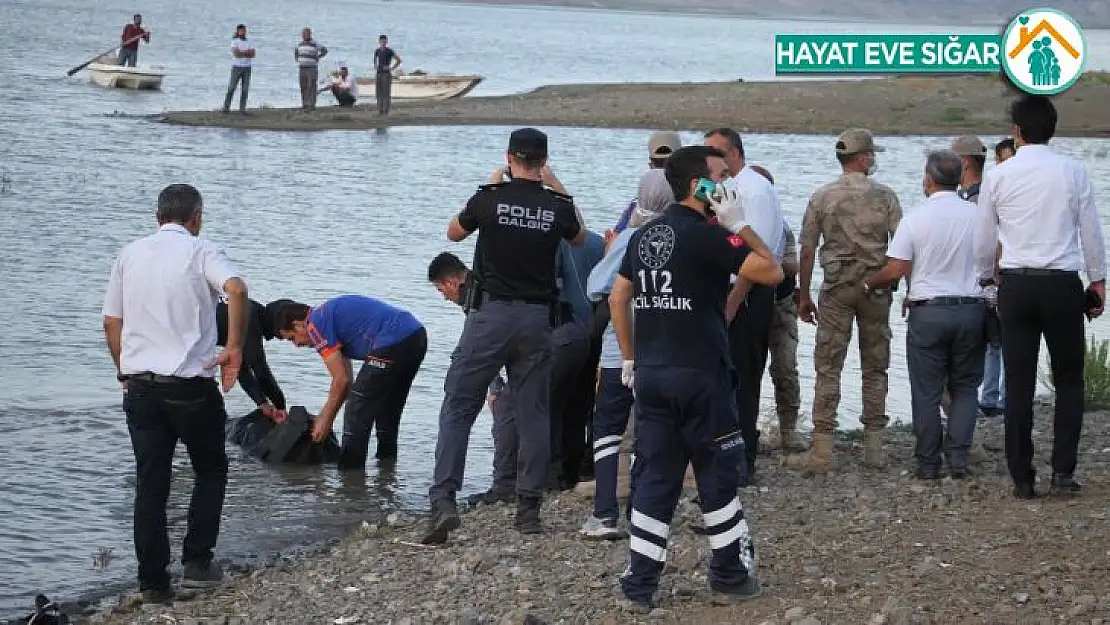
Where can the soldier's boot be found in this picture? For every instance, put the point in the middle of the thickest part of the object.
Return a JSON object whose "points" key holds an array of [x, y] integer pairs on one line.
{"points": [[873, 454], [819, 458], [789, 440]]}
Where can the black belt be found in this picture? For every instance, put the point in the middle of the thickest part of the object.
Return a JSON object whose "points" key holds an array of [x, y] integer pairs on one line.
{"points": [[944, 301], [1035, 271], [518, 300], [154, 378]]}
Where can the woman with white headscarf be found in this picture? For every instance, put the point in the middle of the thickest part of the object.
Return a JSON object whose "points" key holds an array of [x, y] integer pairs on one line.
{"points": [[614, 400]]}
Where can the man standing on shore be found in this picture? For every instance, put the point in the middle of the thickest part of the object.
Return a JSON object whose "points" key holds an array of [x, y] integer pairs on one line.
{"points": [[307, 54], [674, 281], [241, 55], [160, 324], [386, 61], [750, 306], [519, 225], [934, 248], [852, 219], [1040, 207], [129, 51]]}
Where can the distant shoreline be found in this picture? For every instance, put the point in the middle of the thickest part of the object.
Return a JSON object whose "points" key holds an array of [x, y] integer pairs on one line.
{"points": [[907, 105], [746, 12]]}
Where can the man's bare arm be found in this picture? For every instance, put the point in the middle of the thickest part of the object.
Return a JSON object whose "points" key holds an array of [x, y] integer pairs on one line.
{"points": [[113, 333]]}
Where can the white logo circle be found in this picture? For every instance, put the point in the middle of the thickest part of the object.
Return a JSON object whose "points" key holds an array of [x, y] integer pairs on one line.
{"points": [[656, 246], [1043, 51]]}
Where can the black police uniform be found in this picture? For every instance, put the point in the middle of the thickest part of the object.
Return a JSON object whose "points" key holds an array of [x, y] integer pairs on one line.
{"points": [[519, 224], [679, 265]]}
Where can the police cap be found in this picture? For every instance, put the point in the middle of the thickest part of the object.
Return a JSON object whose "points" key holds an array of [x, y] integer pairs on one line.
{"points": [[969, 145], [528, 143], [855, 141]]}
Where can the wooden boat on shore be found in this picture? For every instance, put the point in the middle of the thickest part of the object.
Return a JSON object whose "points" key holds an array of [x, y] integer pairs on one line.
{"points": [[107, 72], [421, 86]]}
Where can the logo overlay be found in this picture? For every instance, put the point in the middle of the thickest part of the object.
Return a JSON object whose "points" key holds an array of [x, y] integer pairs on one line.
{"points": [[656, 246], [1045, 51], [1041, 50]]}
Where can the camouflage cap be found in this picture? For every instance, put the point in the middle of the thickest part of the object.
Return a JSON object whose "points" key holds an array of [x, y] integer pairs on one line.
{"points": [[856, 140], [968, 145]]}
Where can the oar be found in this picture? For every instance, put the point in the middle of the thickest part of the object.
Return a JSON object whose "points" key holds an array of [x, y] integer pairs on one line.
{"points": [[90, 61]]}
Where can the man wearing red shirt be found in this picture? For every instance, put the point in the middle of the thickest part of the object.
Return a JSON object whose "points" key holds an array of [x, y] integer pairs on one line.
{"points": [[129, 51]]}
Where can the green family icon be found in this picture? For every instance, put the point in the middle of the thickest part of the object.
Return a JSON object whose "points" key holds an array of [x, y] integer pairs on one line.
{"points": [[1044, 51]]}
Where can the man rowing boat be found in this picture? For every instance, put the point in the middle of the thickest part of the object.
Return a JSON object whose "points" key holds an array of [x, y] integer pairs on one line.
{"points": [[129, 51]]}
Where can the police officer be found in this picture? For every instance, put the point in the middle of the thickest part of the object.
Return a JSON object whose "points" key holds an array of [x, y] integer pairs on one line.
{"points": [[675, 278], [853, 218], [519, 224]]}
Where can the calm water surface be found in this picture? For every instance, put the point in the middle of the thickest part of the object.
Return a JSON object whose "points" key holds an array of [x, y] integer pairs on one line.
{"points": [[306, 216]]}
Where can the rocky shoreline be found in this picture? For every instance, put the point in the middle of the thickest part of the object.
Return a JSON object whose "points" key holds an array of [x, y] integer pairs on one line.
{"points": [[905, 105], [859, 546]]}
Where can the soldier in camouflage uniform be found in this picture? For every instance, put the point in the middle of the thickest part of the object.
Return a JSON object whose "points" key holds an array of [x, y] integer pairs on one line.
{"points": [[853, 219], [784, 349]]}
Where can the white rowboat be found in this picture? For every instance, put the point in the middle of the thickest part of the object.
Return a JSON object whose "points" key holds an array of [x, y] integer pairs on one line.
{"points": [[420, 86], [107, 72]]}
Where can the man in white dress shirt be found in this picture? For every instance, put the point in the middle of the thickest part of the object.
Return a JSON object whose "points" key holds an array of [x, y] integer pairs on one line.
{"points": [[750, 307], [934, 248], [343, 86], [1040, 207], [160, 323]]}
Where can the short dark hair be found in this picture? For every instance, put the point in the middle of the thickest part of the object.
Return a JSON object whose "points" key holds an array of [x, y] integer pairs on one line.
{"points": [[380, 37], [445, 265], [686, 164], [178, 203], [978, 162], [268, 321], [288, 312], [944, 168], [658, 162], [731, 136], [1005, 144], [1035, 116]]}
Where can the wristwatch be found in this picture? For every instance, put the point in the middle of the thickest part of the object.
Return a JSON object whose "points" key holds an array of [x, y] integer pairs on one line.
{"points": [[866, 286], [121, 377]]}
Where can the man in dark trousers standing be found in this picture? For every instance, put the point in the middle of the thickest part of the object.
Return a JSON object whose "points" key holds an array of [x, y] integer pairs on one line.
{"points": [[1040, 207], [673, 283], [751, 307], [160, 324], [385, 62], [508, 324]]}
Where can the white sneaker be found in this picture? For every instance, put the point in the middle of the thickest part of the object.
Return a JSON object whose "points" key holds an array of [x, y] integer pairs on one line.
{"points": [[601, 529]]}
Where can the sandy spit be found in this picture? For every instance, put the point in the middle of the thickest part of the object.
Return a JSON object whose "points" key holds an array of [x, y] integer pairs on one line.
{"points": [[861, 546], [911, 105]]}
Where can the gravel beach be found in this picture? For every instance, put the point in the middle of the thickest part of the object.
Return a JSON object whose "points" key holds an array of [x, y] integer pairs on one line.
{"points": [[859, 546], [888, 106]]}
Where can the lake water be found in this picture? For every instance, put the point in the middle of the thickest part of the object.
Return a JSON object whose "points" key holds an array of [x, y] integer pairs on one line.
{"points": [[363, 213]]}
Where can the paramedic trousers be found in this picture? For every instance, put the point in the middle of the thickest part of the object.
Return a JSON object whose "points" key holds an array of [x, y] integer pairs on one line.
{"points": [[377, 398], [686, 415], [614, 405], [511, 334]]}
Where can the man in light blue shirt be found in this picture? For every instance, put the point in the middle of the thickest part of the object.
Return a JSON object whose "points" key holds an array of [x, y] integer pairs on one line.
{"points": [[614, 399]]}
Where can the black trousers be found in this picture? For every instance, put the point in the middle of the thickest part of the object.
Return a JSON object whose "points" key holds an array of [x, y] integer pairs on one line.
{"points": [[377, 399], [1032, 304], [749, 342], [589, 381], [159, 415], [570, 350]]}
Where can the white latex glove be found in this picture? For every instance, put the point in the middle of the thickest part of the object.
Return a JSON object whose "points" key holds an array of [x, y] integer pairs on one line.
{"points": [[726, 204], [627, 367]]}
